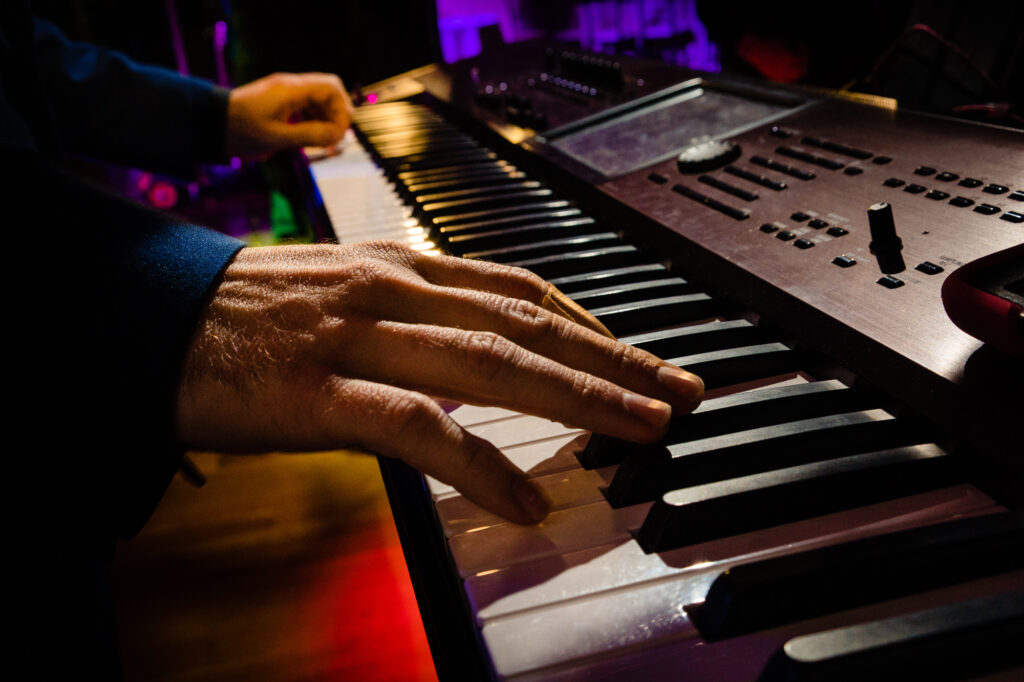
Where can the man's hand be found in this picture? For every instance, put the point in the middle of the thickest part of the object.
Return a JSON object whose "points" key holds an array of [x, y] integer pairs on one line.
{"points": [[319, 347], [287, 110]]}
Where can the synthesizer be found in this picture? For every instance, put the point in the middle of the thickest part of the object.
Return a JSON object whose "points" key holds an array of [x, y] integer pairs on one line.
{"points": [[843, 502]]}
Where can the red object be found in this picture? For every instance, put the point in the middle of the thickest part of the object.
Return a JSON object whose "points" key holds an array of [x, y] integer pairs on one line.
{"points": [[774, 58], [982, 314]]}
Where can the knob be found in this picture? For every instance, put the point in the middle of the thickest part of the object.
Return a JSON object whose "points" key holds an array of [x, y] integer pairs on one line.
{"points": [[885, 243], [707, 156]]}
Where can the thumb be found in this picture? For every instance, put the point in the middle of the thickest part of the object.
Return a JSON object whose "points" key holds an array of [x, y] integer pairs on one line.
{"points": [[307, 133]]}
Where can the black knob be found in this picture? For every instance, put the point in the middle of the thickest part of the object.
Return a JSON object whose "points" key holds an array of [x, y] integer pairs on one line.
{"points": [[885, 243], [708, 155]]}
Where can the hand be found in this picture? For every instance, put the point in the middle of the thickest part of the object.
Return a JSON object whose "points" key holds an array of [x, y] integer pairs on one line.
{"points": [[287, 110], [319, 347]]}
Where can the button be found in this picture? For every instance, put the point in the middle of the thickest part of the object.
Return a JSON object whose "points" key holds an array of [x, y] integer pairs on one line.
{"points": [[881, 160], [970, 182], [726, 187], [799, 216], [803, 243], [837, 231], [1013, 217], [924, 170], [986, 209], [754, 177], [656, 177], [914, 189], [853, 170], [779, 131], [893, 182], [768, 228], [785, 235], [1017, 196], [946, 176], [818, 223], [995, 189], [929, 268], [961, 201], [844, 261], [937, 195], [890, 282]]}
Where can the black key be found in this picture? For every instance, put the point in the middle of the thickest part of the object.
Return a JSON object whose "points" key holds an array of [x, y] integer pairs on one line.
{"points": [[577, 262], [646, 476], [632, 292], [425, 161], [697, 338], [522, 218], [765, 594], [494, 239], [515, 209], [719, 510], [738, 412], [590, 280], [462, 181], [481, 206], [737, 365], [627, 318], [465, 170], [474, 192], [965, 640], [546, 248]]}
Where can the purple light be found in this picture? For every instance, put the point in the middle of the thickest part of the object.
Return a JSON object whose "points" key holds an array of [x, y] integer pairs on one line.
{"points": [[220, 34], [371, 98], [236, 162]]}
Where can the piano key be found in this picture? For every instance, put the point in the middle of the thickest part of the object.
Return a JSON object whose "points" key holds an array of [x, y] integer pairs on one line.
{"points": [[699, 338], [571, 284], [773, 592], [555, 215], [643, 477], [425, 161], [545, 248], [736, 365], [632, 292], [715, 510], [474, 192], [520, 210], [950, 642], [513, 431], [493, 239], [577, 262], [463, 180], [482, 167], [656, 312], [515, 199]]}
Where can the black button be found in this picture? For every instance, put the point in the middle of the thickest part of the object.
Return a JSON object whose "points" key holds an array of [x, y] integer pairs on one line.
{"points": [[818, 223], [785, 235], [893, 182], [986, 209], [881, 160], [1017, 196], [914, 189], [946, 176], [937, 195], [928, 268], [970, 182], [1013, 217], [995, 189], [799, 216], [890, 282], [837, 231], [844, 261], [768, 228], [961, 201], [924, 170], [655, 177], [853, 170], [803, 243]]}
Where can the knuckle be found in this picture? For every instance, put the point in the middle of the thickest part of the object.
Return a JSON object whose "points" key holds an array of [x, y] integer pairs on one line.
{"points": [[531, 321], [487, 355], [409, 411], [585, 386]]}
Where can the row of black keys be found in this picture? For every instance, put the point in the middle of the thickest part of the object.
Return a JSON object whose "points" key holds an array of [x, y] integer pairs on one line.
{"points": [[740, 463]]}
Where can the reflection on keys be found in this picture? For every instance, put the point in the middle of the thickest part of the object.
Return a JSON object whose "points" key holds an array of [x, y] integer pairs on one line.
{"points": [[783, 462]]}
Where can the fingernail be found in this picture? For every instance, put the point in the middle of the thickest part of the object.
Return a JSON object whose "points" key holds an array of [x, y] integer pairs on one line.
{"points": [[532, 500], [654, 412], [680, 381]]}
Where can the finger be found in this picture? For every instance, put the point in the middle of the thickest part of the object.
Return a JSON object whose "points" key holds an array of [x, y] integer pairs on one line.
{"points": [[541, 332], [508, 281], [306, 133], [485, 368], [410, 426]]}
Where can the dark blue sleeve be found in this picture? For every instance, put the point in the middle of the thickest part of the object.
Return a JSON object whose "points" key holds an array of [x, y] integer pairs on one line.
{"points": [[108, 107]]}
